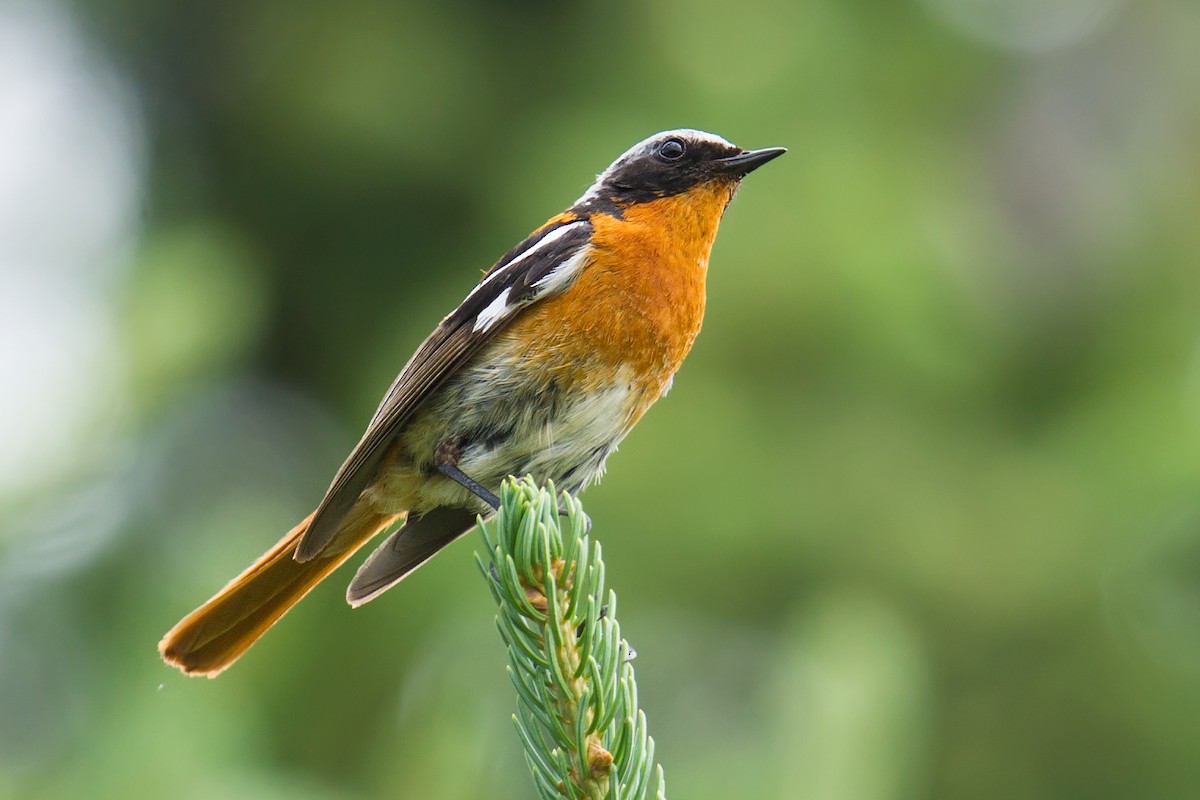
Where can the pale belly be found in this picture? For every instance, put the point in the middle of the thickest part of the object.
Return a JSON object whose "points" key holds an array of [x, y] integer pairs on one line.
{"points": [[555, 430]]}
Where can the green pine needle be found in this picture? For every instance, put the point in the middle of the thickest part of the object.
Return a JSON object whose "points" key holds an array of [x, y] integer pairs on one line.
{"points": [[577, 716]]}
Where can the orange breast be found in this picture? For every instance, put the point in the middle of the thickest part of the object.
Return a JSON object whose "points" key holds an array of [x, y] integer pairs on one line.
{"points": [[639, 301]]}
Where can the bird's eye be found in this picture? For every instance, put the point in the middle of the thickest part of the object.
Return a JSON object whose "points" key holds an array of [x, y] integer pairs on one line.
{"points": [[671, 150]]}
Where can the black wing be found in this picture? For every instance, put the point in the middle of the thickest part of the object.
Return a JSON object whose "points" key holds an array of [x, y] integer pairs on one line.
{"points": [[541, 266]]}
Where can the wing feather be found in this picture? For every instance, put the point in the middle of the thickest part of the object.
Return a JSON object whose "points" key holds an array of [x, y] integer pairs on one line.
{"points": [[543, 265]]}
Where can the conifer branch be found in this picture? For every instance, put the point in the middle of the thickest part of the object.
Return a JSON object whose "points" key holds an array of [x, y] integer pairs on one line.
{"points": [[577, 714]]}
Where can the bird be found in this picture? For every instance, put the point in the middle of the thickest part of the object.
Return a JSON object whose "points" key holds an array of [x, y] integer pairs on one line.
{"points": [[542, 370]]}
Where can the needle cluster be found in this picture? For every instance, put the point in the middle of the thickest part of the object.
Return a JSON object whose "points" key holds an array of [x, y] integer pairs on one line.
{"points": [[577, 711]]}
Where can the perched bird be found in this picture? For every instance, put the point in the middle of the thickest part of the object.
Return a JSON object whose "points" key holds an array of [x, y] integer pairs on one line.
{"points": [[543, 369]]}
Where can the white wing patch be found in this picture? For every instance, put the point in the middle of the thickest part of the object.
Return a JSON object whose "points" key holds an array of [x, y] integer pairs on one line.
{"points": [[495, 311], [562, 275], [547, 240], [555, 280]]}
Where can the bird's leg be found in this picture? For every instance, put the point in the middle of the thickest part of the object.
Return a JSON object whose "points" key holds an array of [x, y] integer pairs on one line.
{"points": [[446, 460]]}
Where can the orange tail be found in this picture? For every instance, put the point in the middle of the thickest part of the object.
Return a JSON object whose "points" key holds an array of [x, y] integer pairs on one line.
{"points": [[212, 637]]}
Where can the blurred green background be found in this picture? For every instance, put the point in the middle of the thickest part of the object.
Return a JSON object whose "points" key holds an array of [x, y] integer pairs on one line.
{"points": [[920, 518]]}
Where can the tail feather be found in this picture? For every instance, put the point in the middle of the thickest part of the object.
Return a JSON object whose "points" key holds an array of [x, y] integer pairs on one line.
{"points": [[406, 549], [212, 637]]}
